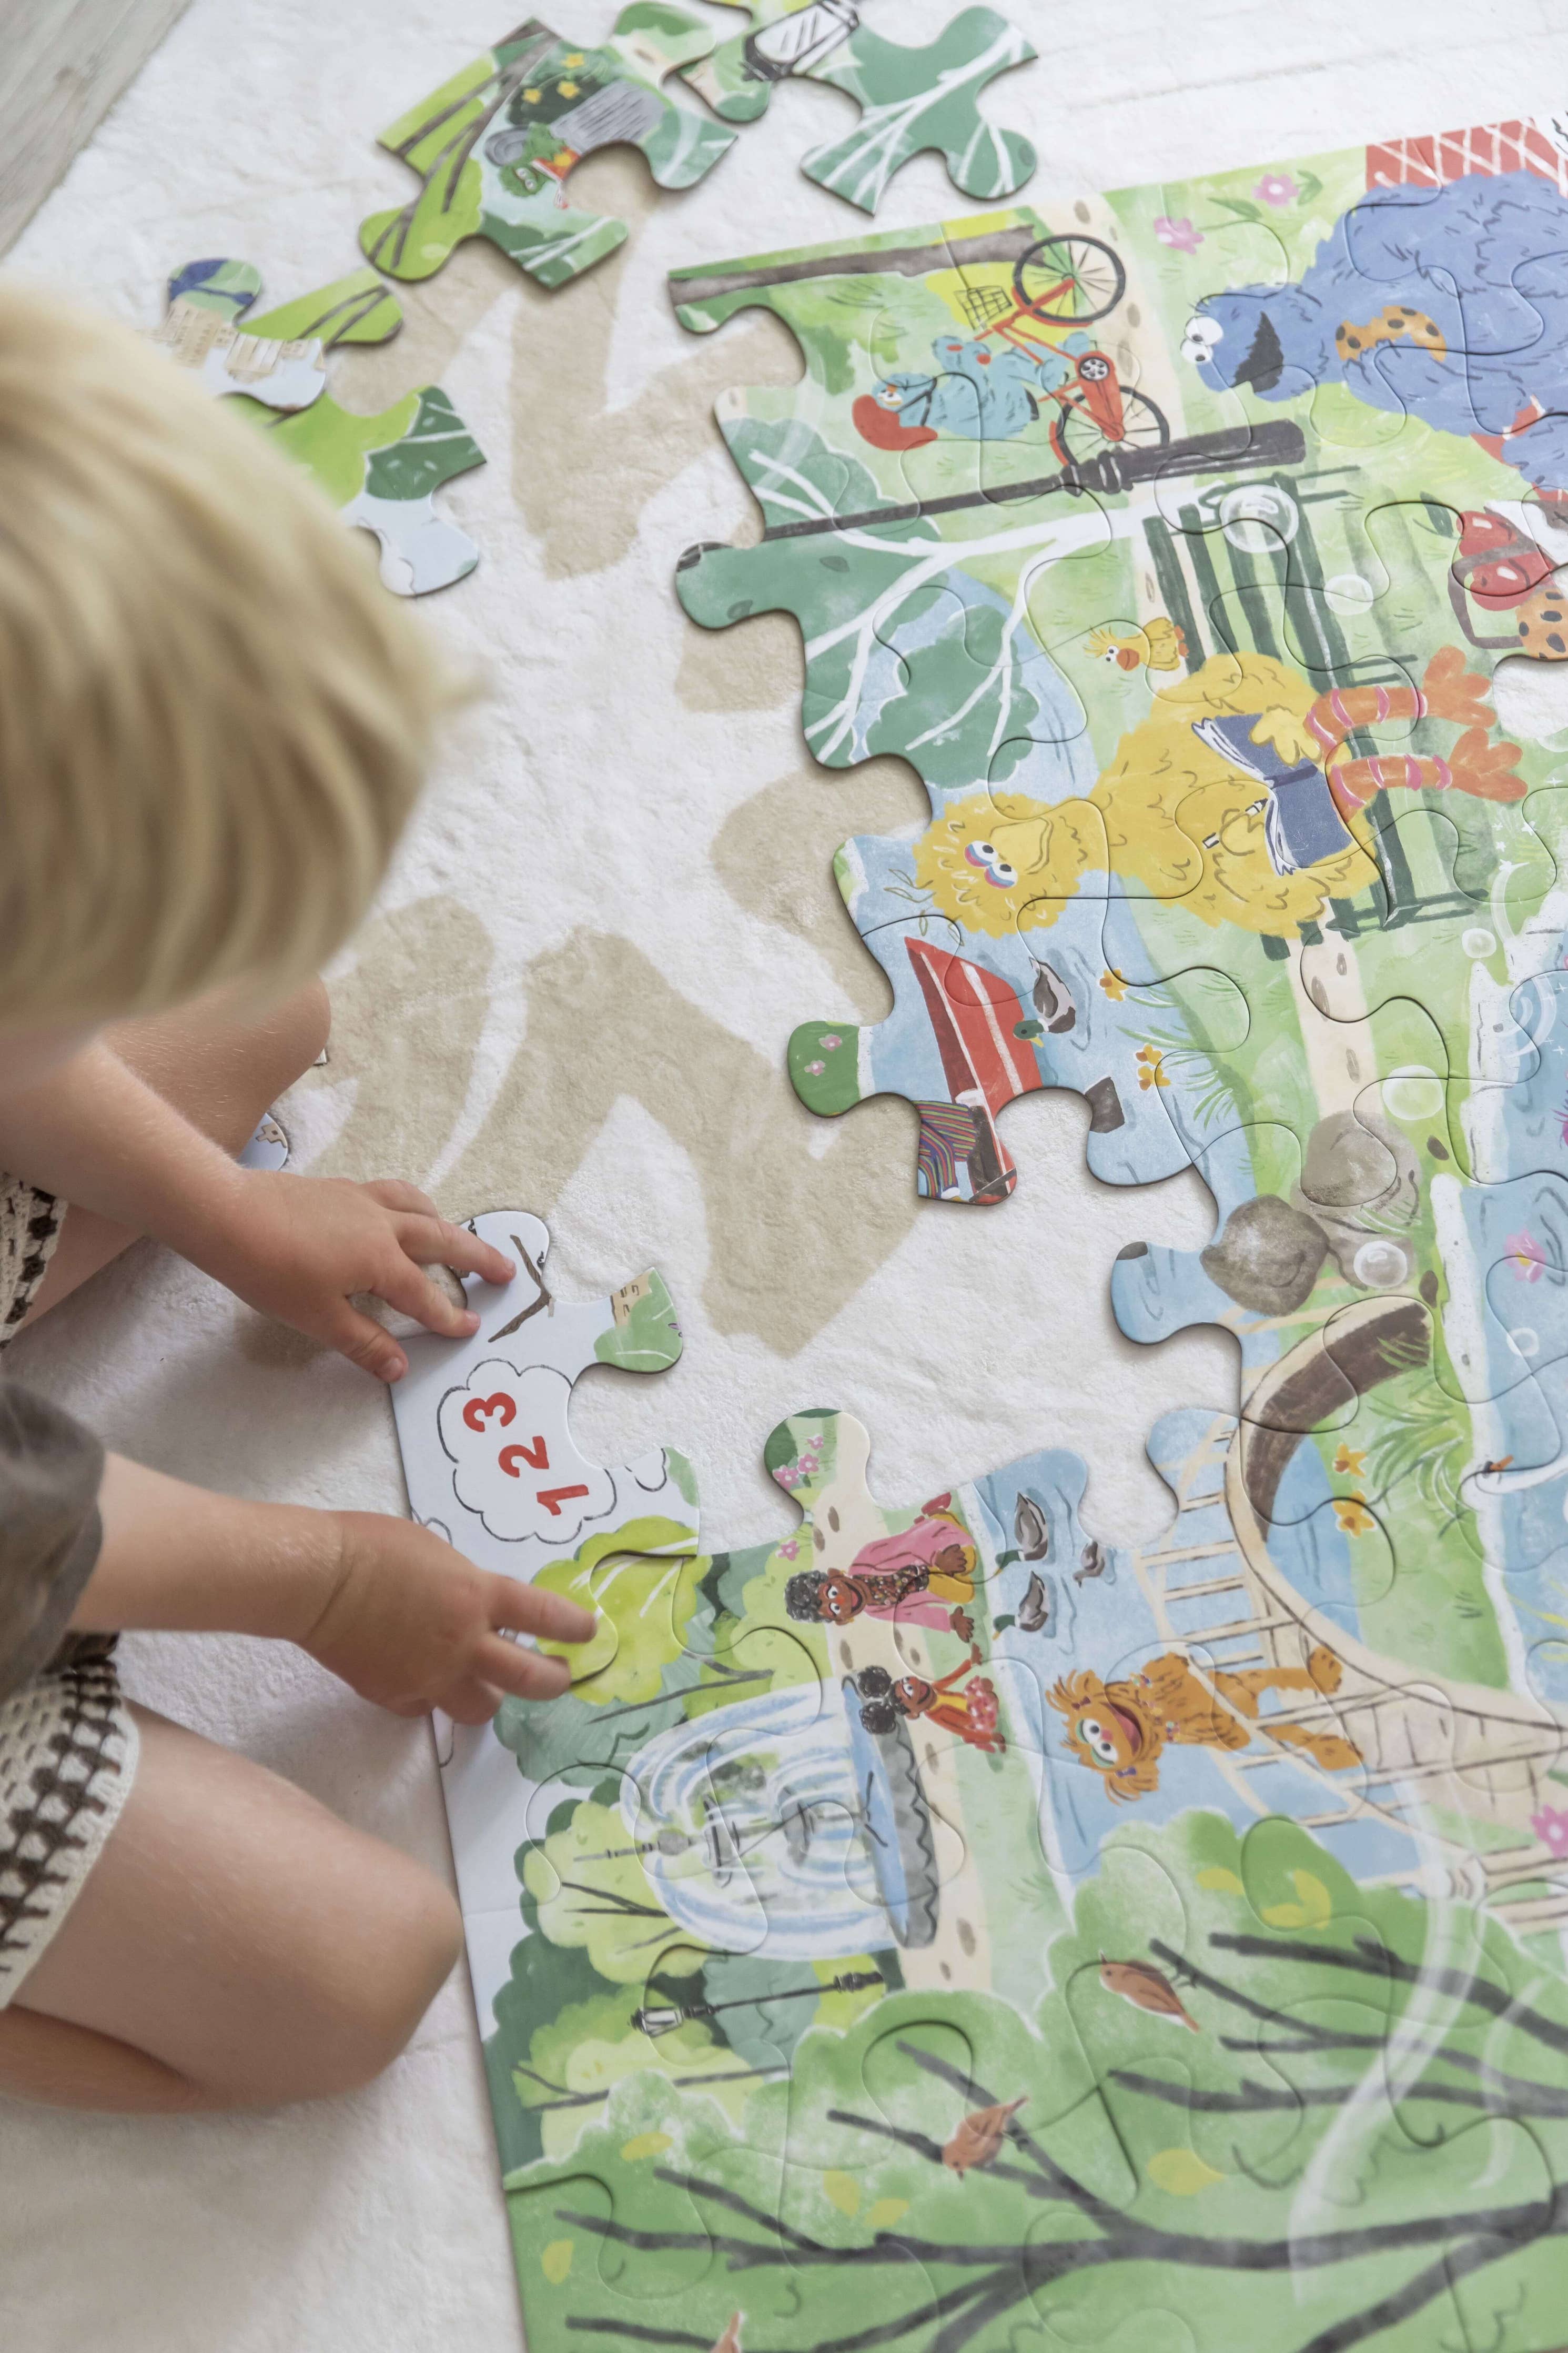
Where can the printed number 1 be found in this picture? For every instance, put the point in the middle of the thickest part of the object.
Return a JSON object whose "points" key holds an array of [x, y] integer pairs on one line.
{"points": [[553, 1497]]}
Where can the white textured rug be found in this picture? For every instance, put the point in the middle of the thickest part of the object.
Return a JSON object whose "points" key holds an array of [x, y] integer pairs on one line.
{"points": [[576, 998]]}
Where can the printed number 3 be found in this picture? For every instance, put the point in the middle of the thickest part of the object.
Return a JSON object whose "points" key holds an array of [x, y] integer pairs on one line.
{"points": [[478, 1410]]}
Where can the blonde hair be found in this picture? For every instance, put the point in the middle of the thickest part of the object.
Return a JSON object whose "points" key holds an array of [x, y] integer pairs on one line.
{"points": [[214, 720]]}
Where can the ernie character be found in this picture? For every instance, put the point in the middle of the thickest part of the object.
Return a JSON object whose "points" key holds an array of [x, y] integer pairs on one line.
{"points": [[1119, 1729]]}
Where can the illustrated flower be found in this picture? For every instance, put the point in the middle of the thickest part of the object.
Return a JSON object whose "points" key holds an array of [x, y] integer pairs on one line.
{"points": [[568, 90], [1179, 234], [530, 96], [1526, 1256], [1114, 984], [1277, 188], [790, 1549], [1152, 1067], [829, 1040], [1550, 1827], [815, 1069], [1352, 1516], [788, 1474], [1347, 1462]]}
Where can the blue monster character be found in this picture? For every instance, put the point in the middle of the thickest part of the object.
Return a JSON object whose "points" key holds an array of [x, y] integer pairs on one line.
{"points": [[978, 393], [1450, 303]]}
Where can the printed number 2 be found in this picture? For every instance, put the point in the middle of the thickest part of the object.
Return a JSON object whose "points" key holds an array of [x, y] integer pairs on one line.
{"points": [[537, 1457]]}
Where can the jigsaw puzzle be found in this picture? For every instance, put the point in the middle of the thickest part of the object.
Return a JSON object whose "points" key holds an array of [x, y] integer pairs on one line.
{"points": [[1146, 1882], [494, 145], [911, 99], [489, 1459], [381, 472]]}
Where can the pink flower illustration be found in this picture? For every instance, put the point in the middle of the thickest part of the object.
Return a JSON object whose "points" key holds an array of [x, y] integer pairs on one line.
{"points": [[1525, 1255], [788, 1474], [791, 1550], [1179, 234], [829, 1040], [1277, 188], [815, 1069], [1550, 1827]]}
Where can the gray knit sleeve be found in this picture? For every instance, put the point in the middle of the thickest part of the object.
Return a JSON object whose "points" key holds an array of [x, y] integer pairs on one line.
{"points": [[50, 1471]]}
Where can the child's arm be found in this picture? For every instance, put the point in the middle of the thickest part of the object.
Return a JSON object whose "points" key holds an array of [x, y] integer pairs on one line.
{"points": [[294, 1247], [382, 1602]]}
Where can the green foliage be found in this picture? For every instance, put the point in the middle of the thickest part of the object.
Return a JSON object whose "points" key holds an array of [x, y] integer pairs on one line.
{"points": [[1374, 2102]]}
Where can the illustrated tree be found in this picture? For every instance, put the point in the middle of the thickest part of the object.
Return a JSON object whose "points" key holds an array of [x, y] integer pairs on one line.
{"points": [[1350, 2129]]}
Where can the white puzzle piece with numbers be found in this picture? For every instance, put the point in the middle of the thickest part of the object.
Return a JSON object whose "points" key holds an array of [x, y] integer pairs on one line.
{"points": [[490, 1463]]}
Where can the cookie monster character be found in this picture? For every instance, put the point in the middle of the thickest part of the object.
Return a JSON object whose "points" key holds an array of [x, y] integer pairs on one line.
{"points": [[975, 394], [1445, 303]]}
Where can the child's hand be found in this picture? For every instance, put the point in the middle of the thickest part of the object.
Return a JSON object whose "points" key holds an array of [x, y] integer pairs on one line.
{"points": [[413, 1625], [296, 1247]]}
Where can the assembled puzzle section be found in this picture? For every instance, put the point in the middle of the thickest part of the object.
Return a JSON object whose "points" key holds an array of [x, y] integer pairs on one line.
{"points": [[381, 472], [489, 1462], [949, 1839], [494, 145], [1226, 833], [912, 101]]}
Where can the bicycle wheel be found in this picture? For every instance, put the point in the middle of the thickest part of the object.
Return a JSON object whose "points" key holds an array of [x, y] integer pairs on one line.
{"points": [[1144, 427], [1070, 280]]}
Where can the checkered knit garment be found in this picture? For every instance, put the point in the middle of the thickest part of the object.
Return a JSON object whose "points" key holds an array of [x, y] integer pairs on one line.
{"points": [[67, 1755], [29, 1228], [68, 1744]]}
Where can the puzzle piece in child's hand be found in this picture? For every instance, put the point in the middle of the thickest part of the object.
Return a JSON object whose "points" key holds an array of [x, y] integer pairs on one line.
{"points": [[494, 145], [912, 100], [381, 472]]}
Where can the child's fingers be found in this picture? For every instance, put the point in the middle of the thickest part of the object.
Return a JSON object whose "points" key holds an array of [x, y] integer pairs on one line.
{"points": [[404, 1287], [471, 1701], [530, 1609], [432, 1241], [527, 1674], [366, 1343]]}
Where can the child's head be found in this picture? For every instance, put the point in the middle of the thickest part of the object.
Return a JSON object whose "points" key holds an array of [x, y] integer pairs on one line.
{"points": [[214, 720]]}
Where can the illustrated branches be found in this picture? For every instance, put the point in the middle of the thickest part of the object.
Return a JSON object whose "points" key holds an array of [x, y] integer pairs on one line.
{"points": [[993, 2278]]}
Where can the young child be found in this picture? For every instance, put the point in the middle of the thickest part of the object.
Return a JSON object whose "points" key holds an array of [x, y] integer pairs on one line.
{"points": [[213, 724]]}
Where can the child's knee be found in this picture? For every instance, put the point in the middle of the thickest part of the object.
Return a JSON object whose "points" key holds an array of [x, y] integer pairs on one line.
{"points": [[381, 1980]]}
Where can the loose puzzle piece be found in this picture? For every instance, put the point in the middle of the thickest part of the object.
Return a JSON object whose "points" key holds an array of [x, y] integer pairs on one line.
{"points": [[911, 100], [1276, 1880], [381, 472], [494, 145], [489, 1462]]}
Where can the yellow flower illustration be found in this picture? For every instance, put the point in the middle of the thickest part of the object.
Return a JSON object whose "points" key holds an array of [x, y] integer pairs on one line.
{"points": [[1348, 1464], [1114, 984], [1151, 1070], [574, 58], [530, 96], [568, 90], [1352, 1516]]}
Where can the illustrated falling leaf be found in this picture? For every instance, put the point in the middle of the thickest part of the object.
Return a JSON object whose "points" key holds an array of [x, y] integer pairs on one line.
{"points": [[1314, 1908], [555, 2260], [649, 2144], [844, 2191], [1180, 2172], [886, 2212], [1222, 1882]]}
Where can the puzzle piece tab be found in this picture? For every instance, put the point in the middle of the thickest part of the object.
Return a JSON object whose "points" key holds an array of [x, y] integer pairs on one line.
{"points": [[494, 145]]}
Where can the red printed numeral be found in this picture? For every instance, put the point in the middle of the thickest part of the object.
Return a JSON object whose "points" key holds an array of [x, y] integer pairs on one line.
{"points": [[553, 1497], [535, 1454], [478, 1410]]}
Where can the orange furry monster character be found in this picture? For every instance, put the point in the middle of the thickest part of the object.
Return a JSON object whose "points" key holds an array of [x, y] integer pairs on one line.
{"points": [[1119, 1729]]}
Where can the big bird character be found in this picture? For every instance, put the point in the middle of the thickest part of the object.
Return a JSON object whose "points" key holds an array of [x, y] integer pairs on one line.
{"points": [[1238, 794]]}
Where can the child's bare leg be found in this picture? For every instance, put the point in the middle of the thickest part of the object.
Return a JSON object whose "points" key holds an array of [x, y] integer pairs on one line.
{"points": [[235, 1946], [221, 1074]]}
